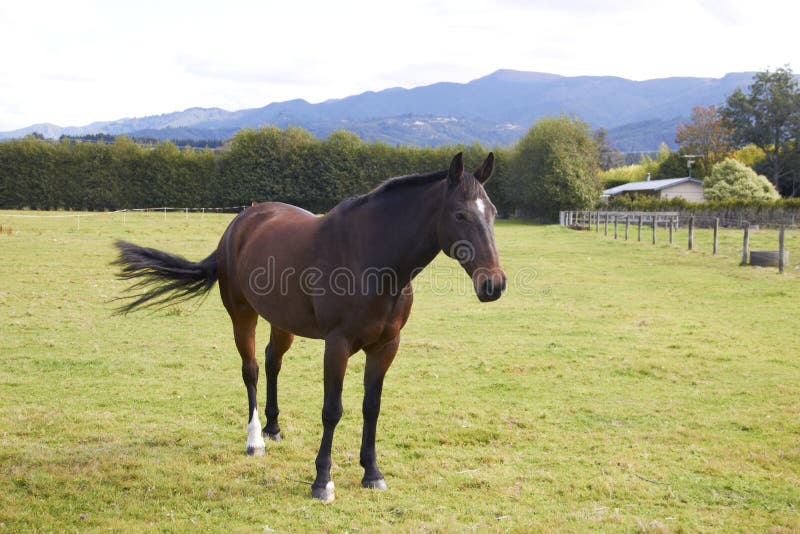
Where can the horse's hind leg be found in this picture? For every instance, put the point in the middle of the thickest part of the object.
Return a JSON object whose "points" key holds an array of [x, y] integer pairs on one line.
{"points": [[379, 358], [279, 343], [337, 351], [244, 333]]}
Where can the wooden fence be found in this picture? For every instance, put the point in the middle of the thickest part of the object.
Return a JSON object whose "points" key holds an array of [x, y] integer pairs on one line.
{"points": [[616, 221], [596, 218]]}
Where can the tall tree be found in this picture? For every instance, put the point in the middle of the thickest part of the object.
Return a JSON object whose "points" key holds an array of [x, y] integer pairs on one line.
{"points": [[707, 136], [555, 167], [610, 157], [768, 116]]}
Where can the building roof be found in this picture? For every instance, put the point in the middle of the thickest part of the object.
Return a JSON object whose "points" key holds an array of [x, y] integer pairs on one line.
{"points": [[650, 185]]}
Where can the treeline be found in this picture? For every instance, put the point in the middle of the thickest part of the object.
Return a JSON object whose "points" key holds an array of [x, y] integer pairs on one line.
{"points": [[268, 164], [138, 139], [37, 174]]}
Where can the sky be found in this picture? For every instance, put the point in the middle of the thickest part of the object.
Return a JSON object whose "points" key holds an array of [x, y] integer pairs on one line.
{"points": [[77, 62]]}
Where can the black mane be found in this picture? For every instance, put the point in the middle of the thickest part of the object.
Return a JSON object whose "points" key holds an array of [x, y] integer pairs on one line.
{"points": [[401, 183], [394, 184]]}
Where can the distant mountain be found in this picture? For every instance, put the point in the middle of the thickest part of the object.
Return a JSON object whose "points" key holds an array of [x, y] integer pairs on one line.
{"points": [[494, 110], [646, 135]]}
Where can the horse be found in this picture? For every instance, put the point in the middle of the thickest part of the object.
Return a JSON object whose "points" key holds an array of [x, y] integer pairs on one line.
{"points": [[343, 277]]}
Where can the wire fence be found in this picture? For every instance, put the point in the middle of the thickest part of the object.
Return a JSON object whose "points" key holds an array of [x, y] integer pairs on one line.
{"points": [[78, 217], [164, 209]]}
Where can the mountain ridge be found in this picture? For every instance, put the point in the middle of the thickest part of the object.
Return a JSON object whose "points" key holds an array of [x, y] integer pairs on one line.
{"points": [[495, 109]]}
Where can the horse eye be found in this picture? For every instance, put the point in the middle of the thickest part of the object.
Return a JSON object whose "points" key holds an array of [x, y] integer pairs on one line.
{"points": [[461, 216]]}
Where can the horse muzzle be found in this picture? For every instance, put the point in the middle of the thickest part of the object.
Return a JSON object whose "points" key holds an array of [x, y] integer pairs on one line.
{"points": [[490, 288]]}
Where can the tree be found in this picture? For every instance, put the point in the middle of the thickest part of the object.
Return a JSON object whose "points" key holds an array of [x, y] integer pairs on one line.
{"points": [[555, 168], [673, 166], [707, 135], [609, 157], [750, 155], [732, 179], [768, 116]]}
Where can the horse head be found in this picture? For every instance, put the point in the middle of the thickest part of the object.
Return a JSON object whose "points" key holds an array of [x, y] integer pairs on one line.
{"points": [[466, 227]]}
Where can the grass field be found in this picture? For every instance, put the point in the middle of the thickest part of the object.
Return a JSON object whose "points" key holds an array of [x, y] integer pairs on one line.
{"points": [[616, 386]]}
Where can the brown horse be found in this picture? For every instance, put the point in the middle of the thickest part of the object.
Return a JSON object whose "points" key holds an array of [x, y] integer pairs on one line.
{"points": [[344, 277]]}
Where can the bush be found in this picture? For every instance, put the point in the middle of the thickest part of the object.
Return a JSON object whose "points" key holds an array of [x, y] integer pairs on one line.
{"points": [[732, 179]]}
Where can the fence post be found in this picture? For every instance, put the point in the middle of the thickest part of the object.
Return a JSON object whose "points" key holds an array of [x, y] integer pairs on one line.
{"points": [[781, 249], [597, 222], [655, 226], [165, 214], [716, 235], [639, 237], [627, 225], [615, 227], [605, 225], [670, 231], [691, 232], [745, 242]]}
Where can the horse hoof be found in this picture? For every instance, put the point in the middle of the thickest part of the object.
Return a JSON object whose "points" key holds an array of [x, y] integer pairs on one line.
{"points": [[255, 451], [325, 494], [274, 437], [379, 484]]}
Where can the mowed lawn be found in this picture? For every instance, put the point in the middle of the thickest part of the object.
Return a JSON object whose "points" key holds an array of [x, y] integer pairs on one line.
{"points": [[616, 386]]}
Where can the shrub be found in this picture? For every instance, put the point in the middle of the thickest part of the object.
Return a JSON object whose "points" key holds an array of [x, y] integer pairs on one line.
{"points": [[732, 179]]}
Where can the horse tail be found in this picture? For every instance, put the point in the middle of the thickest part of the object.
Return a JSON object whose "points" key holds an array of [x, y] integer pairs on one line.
{"points": [[162, 278]]}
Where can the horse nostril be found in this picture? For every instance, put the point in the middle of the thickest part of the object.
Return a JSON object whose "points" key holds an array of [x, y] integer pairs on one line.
{"points": [[491, 290], [488, 287]]}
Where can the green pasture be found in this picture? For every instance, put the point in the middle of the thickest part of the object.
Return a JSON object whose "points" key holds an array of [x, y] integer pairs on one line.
{"points": [[617, 386]]}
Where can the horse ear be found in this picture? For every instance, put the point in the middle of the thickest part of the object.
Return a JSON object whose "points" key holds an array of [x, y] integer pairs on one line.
{"points": [[483, 172], [456, 169]]}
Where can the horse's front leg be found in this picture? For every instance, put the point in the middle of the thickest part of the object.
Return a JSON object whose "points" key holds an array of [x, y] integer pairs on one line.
{"points": [[379, 358], [337, 351]]}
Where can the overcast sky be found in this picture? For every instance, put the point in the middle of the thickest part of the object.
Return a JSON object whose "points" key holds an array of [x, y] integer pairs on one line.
{"points": [[75, 62]]}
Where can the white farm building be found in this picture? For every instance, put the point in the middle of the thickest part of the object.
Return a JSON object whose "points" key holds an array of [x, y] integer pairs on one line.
{"points": [[689, 188]]}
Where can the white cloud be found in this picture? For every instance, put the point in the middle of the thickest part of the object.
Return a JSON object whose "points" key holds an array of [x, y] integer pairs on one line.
{"points": [[72, 63]]}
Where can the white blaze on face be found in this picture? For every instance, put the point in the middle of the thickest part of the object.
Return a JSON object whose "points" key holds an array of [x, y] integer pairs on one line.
{"points": [[480, 205]]}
